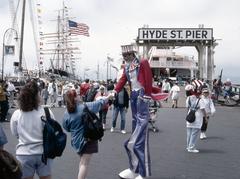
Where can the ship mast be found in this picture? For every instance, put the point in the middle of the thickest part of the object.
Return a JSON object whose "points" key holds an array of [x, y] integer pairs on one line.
{"points": [[22, 35], [63, 52]]}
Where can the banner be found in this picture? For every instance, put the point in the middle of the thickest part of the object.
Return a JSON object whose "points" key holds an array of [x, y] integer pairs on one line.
{"points": [[9, 49]]}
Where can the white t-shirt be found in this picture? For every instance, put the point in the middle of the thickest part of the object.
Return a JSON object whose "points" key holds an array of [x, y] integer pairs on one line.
{"points": [[175, 92], [28, 128]]}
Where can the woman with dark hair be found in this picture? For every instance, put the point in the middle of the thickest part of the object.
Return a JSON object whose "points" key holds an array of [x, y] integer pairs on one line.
{"points": [[73, 122], [27, 126]]}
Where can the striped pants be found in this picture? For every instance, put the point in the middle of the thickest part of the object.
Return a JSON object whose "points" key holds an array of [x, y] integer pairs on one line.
{"points": [[137, 146]]}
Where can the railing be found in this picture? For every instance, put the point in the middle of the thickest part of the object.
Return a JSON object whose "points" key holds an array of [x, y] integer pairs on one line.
{"points": [[173, 64], [236, 88]]}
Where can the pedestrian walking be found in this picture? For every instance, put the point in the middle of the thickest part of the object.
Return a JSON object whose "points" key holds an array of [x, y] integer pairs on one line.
{"points": [[84, 87], [4, 105], [166, 87], [210, 110], [101, 94], [45, 95], [73, 122], [26, 125], [193, 129], [174, 93], [120, 104], [52, 89]]}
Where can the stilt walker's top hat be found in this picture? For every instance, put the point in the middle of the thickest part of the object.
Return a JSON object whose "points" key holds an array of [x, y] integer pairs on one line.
{"points": [[126, 49]]}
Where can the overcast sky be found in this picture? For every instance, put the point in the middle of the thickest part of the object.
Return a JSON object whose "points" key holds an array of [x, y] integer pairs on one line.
{"points": [[116, 22]]}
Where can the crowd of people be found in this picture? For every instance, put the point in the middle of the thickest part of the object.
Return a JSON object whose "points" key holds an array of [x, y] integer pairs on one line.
{"points": [[133, 89], [29, 147]]}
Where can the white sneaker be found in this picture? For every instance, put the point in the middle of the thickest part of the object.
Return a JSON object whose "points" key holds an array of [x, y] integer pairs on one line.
{"points": [[140, 177], [203, 135], [104, 126], [127, 174], [112, 129], [123, 132], [193, 150]]}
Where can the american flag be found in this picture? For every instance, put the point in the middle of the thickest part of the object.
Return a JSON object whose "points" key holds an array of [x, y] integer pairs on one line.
{"points": [[78, 28]]}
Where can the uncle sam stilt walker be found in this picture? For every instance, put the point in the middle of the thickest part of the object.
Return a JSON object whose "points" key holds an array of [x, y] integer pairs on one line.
{"points": [[139, 75]]}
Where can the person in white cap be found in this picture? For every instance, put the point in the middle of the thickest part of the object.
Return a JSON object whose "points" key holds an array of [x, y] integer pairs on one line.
{"points": [[210, 110], [195, 102], [139, 75]]}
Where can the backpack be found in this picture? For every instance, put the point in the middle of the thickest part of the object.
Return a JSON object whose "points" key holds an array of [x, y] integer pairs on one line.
{"points": [[10, 168], [91, 94], [191, 115], [54, 139], [93, 128]]}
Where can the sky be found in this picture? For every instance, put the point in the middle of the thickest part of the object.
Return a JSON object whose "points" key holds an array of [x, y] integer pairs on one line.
{"points": [[115, 22]]}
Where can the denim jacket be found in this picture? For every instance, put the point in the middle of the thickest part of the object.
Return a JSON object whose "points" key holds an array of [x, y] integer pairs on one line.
{"points": [[73, 123]]}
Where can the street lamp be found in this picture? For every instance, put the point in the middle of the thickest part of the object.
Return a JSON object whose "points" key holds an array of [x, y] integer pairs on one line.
{"points": [[85, 74], [109, 59], [114, 67], [3, 47]]}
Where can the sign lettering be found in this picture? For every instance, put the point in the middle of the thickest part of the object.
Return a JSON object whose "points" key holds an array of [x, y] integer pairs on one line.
{"points": [[175, 34]]}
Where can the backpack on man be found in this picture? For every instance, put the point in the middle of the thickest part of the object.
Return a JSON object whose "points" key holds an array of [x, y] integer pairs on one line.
{"points": [[54, 139], [10, 168], [91, 93], [93, 127]]}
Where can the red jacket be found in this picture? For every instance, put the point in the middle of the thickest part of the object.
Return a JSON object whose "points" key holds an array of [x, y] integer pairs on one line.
{"points": [[145, 79], [84, 87]]}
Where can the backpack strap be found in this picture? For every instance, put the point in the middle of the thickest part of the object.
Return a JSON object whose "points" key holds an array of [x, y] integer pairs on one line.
{"points": [[86, 107], [47, 113], [197, 104]]}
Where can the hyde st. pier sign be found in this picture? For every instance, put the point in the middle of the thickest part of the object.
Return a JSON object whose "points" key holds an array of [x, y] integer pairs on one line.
{"points": [[175, 34]]}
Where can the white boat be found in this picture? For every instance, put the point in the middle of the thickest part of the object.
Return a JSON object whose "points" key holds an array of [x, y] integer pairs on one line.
{"points": [[167, 63]]}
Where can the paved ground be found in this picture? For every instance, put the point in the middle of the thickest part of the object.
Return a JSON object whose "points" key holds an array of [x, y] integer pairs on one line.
{"points": [[219, 156]]}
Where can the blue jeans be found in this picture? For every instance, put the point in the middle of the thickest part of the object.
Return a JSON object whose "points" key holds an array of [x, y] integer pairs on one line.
{"points": [[32, 164], [122, 111], [103, 115], [192, 136]]}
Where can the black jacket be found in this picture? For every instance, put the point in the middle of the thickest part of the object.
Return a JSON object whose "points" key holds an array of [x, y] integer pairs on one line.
{"points": [[125, 100]]}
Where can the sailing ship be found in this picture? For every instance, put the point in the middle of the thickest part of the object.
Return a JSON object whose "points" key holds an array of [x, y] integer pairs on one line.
{"points": [[56, 52], [61, 47]]}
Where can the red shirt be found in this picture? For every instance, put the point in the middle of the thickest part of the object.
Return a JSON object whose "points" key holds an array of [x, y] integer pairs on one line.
{"points": [[84, 87]]}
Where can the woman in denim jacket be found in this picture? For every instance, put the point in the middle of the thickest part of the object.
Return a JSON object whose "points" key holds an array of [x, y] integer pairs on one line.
{"points": [[72, 122]]}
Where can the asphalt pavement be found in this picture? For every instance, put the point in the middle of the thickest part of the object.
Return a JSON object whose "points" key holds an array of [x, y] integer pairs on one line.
{"points": [[218, 158]]}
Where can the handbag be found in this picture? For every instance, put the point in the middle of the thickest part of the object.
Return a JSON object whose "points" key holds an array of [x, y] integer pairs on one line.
{"points": [[191, 114]]}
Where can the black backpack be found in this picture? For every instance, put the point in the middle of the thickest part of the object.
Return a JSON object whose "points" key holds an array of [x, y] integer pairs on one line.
{"points": [[10, 168], [91, 93], [54, 139], [93, 128], [191, 114]]}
